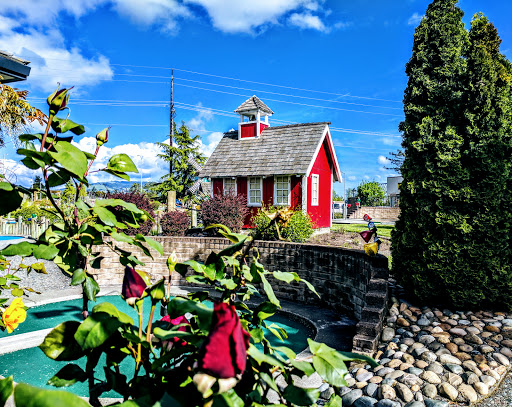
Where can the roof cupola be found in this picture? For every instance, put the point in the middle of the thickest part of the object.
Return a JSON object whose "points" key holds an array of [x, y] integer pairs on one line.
{"points": [[253, 117]]}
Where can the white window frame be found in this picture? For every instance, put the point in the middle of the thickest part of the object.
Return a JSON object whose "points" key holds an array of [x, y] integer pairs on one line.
{"points": [[288, 195], [249, 203], [225, 190], [315, 195]]}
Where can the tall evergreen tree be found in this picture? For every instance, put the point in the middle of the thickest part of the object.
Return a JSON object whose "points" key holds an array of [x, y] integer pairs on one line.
{"points": [[425, 242], [457, 167], [183, 174], [488, 157]]}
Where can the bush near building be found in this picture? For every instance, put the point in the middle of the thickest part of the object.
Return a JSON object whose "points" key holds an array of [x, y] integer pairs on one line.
{"points": [[229, 210], [299, 228], [174, 223]]}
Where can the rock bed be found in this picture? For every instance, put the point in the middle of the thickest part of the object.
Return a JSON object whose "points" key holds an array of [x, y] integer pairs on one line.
{"points": [[432, 357]]}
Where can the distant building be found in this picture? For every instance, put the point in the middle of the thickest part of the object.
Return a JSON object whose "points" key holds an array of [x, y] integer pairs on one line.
{"points": [[293, 165], [393, 190]]}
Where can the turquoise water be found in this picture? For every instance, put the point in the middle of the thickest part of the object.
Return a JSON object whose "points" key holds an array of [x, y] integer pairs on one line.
{"points": [[10, 237], [33, 367]]}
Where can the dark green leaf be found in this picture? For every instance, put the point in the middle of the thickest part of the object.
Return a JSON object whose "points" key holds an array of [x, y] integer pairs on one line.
{"points": [[121, 163], [46, 252], [60, 343], [28, 396], [228, 399], [328, 363], [118, 174], [6, 390], [91, 288], [70, 157], [11, 198], [68, 375], [64, 125], [22, 249], [180, 306], [57, 178], [96, 329], [300, 396], [30, 137], [78, 277], [261, 357]]}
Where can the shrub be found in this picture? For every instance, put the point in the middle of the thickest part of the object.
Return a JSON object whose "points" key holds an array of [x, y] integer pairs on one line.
{"points": [[229, 210], [174, 223], [141, 201], [299, 228], [40, 208]]}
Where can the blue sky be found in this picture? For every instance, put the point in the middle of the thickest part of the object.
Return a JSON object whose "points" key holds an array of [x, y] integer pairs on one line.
{"points": [[308, 60]]}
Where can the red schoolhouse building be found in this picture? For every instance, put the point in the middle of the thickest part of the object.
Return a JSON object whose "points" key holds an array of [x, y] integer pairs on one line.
{"points": [[293, 165]]}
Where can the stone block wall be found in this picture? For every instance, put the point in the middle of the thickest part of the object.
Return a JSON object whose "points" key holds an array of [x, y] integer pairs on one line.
{"points": [[346, 280]]}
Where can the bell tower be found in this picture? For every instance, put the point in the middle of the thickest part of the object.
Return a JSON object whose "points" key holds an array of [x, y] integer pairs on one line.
{"points": [[253, 118]]}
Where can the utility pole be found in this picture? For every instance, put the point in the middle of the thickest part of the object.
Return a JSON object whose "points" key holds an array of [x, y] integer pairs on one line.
{"points": [[171, 132]]}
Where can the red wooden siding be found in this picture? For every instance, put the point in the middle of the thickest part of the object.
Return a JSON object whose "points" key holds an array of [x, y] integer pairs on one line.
{"points": [[321, 214], [268, 191], [241, 186], [263, 126], [218, 186], [248, 130], [296, 191]]}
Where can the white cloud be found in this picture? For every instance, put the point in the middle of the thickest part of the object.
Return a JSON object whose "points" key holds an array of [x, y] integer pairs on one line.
{"points": [[51, 59], [17, 173], [211, 142], [246, 15], [149, 12], [307, 20], [382, 160], [366, 177], [415, 19], [143, 155], [351, 178]]}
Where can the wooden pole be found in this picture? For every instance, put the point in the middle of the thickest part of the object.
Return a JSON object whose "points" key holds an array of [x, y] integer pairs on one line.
{"points": [[171, 132]]}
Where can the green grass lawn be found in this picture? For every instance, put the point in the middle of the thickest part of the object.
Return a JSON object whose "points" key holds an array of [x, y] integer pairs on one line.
{"points": [[382, 230]]}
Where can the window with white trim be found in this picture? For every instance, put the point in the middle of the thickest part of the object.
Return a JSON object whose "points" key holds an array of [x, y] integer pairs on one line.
{"points": [[282, 190], [254, 193], [314, 189], [229, 186]]}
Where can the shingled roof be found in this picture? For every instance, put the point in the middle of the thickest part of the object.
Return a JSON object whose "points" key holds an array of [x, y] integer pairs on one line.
{"points": [[253, 103], [279, 150]]}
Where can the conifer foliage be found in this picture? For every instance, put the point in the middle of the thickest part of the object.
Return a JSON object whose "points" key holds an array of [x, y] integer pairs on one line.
{"points": [[455, 197]]}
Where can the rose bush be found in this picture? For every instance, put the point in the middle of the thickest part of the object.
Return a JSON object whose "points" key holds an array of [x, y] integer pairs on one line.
{"points": [[218, 357]]}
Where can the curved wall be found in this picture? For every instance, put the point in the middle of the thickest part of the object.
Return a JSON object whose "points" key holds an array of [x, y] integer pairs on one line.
{"points": [[348, 281]]}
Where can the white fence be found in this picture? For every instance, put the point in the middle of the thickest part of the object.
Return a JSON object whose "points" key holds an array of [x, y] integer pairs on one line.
{"points": [[33, 228]]}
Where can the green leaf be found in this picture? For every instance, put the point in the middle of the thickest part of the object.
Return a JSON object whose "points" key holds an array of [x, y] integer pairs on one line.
{"points": [[57, 178], [351, 356], [228, 399], [269, 291], [118, 202], [157, 246], [180, 306], [107, 217], [16, 292], [11, 198], [6, 389], [286, 276], [91, 288], [303, 366], [67, 376], [261, 357], [335, 401], [121, 237], [121, 163], [23, 249], [70, 157], [28, 396], [96, 329], [198, 267], [290, 354], [300, 396], [264, 310], [60, 343], [64, 125], [78, 277], [118, 174], [46, 252], [30, 137], [157, 291], [328, 363]]}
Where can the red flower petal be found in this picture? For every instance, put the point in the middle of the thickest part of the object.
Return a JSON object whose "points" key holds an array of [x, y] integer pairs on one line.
{"points": [[133, 284]]}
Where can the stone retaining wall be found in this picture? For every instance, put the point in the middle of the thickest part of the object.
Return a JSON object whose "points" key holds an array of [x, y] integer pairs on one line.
{"points": [[346, 280], [377, 212]]}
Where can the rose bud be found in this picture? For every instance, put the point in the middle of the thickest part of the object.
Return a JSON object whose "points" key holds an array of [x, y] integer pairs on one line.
{"points": [[172, 260], [58, 100], [168, 344], [224, 352], [102, 137], [133, 284]]}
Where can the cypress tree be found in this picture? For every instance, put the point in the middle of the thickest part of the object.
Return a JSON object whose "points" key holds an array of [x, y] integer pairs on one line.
{"points": [[455, 197], [434, 191], [488, 157]]}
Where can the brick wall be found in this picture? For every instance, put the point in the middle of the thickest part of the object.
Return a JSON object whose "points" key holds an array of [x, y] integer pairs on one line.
{"points": [[377, 212], [346, 280]]}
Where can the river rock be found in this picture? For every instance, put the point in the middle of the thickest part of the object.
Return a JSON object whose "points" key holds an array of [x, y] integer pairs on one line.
{"points": [[430, 377], [371, 390], [452, 347], [449, 391], [502, 359], [415, 404], [454, 379], [470, 378], [436, 403], [386, 392], [387, 403], [449, 359], [349, 398], [436, 368], [364, 377], [472, 338], [481, 388], [488, 380], [387, 334], [365, 401], [458, 331], [468, 393], [457, 369], [404, 392], [430, 391]]}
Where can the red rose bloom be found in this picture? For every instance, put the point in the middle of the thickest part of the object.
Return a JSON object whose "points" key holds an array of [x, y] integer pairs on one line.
{"points": [[133, 284], [168, 344], [224, 352]]}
